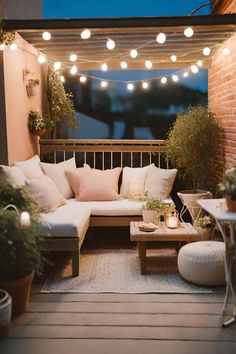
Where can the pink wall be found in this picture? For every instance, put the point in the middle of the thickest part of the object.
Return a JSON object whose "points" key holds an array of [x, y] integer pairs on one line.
{"points": [[21, 9], [21, 144]]}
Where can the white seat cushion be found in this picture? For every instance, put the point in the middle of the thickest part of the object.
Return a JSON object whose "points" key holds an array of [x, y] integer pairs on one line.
{"points": [[66, 221]]}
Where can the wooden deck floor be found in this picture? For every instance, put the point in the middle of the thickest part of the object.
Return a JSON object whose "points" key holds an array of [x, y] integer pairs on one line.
{"points": [[121, 324]]}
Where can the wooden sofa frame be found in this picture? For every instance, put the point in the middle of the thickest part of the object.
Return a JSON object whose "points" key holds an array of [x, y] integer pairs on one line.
{"points": [[101, 154]]}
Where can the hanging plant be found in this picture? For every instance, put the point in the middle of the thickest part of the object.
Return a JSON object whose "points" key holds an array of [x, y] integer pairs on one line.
{"points": [[61, 106]]}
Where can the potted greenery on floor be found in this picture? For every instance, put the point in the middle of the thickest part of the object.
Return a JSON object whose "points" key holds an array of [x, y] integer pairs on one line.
{"points": [[20, 245], [192, 146]]}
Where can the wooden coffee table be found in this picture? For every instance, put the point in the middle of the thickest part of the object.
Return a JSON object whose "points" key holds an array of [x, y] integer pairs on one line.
{"points": [[185, 232]]}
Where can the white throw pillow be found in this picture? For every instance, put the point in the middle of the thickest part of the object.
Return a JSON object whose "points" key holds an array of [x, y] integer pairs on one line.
{"points": [[129, 174], [56, 171], [30, 167], [159, 182], [12, 176], [45, 193]]}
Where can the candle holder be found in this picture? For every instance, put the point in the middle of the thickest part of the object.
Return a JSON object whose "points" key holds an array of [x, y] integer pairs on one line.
{"points": [[24, 217], [172, 219]]}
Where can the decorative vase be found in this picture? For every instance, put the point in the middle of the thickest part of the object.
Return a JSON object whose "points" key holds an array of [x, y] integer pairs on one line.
{"points": [[5, 313], [231, 204], [150, 216], [19, 291], [31, 90]]}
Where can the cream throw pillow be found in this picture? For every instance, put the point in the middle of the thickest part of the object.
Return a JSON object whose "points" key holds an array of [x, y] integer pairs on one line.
{"points": [[12, 176], [159, 182], [30, 167], [56, 171], [129, 174], [45, 193]]}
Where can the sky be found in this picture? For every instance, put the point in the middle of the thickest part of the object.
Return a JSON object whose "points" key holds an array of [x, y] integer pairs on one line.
{"points": [[129, 8]]}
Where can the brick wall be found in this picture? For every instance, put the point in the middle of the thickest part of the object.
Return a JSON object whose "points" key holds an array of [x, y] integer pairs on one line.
{"points": [[222, 94], [224, 6]]}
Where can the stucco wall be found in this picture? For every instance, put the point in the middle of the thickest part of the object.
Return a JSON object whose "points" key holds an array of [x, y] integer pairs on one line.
{"points": [[21, 9], [21, 144]]}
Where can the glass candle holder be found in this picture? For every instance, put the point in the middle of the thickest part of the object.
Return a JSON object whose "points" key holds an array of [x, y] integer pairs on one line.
{"points": [[172, 220]]}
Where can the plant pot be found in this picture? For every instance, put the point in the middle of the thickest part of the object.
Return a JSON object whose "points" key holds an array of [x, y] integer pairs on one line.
{"points": [[204, 234], [189, 199], [150, 216], [19, 291], [231, 204], [39, 132], [5, 313], [31, 90]]}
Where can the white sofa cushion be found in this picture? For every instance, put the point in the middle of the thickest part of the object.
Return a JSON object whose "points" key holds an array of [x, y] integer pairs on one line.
{"points": [[66, 221], [30, 167], [159, 182], [129, 174], [12, 176]]}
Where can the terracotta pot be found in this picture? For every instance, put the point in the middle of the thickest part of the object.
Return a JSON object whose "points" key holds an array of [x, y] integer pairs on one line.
{"points": [[204, 234], [31, 90], [231, 204], [19, 291], [5, 313], [39, 132], [150, 216]]}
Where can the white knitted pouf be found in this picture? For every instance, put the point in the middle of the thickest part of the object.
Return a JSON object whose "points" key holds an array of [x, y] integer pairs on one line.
{"points": [[203, 262]]}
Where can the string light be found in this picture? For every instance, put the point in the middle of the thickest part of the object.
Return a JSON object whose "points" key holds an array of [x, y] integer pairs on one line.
{"points": [[123, 65], [145, 85], [104, 84], [161, 38], [104, 67], [133, 53], [13, 46], [2, 46], [194, 69], [62, 79], [175, 78], [83, 79], [188, 32], [46, 36], [110, 44], [185, 74], [85, 34], [73, 57], [148, 64], [57, 65], [163, 80], [206, 51], [173, 57], [199, 63], [73, 70], [130, 87], [226, 51], [41, 58]]}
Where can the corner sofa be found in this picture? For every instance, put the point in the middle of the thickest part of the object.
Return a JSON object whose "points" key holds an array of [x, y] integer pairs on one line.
{"points": [[67, 223]]}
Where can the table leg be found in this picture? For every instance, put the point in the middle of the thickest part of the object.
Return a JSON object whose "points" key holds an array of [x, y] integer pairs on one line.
{"points": [[142, 256]]}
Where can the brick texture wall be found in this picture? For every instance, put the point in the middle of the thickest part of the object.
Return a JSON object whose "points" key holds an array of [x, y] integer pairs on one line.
{"points": [[222, 95], [224, 6]]}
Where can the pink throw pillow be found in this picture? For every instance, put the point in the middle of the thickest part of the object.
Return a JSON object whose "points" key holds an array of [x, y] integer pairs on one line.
{"points": [[73, 176], [95, 185]]}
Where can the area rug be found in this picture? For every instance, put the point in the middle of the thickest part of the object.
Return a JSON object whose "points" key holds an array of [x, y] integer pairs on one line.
{"points": [[118, 271]]}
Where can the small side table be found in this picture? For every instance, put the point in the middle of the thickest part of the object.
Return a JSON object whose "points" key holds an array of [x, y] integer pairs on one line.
{"points": [[217, 208]]}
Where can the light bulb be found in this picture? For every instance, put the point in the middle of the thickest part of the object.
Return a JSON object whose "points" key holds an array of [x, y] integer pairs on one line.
{"points": [[188, 32], [13, 46], [2, 46], [73, 70], [194, 69], [145, 85], [161, 38], [199, 63], [206, 51], [57, 65], [226, 51], [83, 78], [41, 58], [62, 79], [148, 64], [163, 80], [124, 65], [173, 57], [104, 67], [104, 84], [110, 44], [185, 74], [46, 36], [85, 34], [73, 57], [175, 78], [130, 87], [133, 53], [25, 219]]}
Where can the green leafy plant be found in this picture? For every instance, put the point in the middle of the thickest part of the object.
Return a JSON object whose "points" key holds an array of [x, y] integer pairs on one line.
{"points": [[228, 185], [33, 82], [20, 248], [7, 38], [192, 146], [37, 121], [61, 107], [156, 204], [205, 222]]}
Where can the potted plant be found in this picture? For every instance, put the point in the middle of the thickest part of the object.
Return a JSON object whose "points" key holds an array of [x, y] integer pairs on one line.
{"points": [[153, 209], [20, 245], [5, 313], [192, 146], [228, 186], [37, 123], [204, 227], [31, 85]]}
